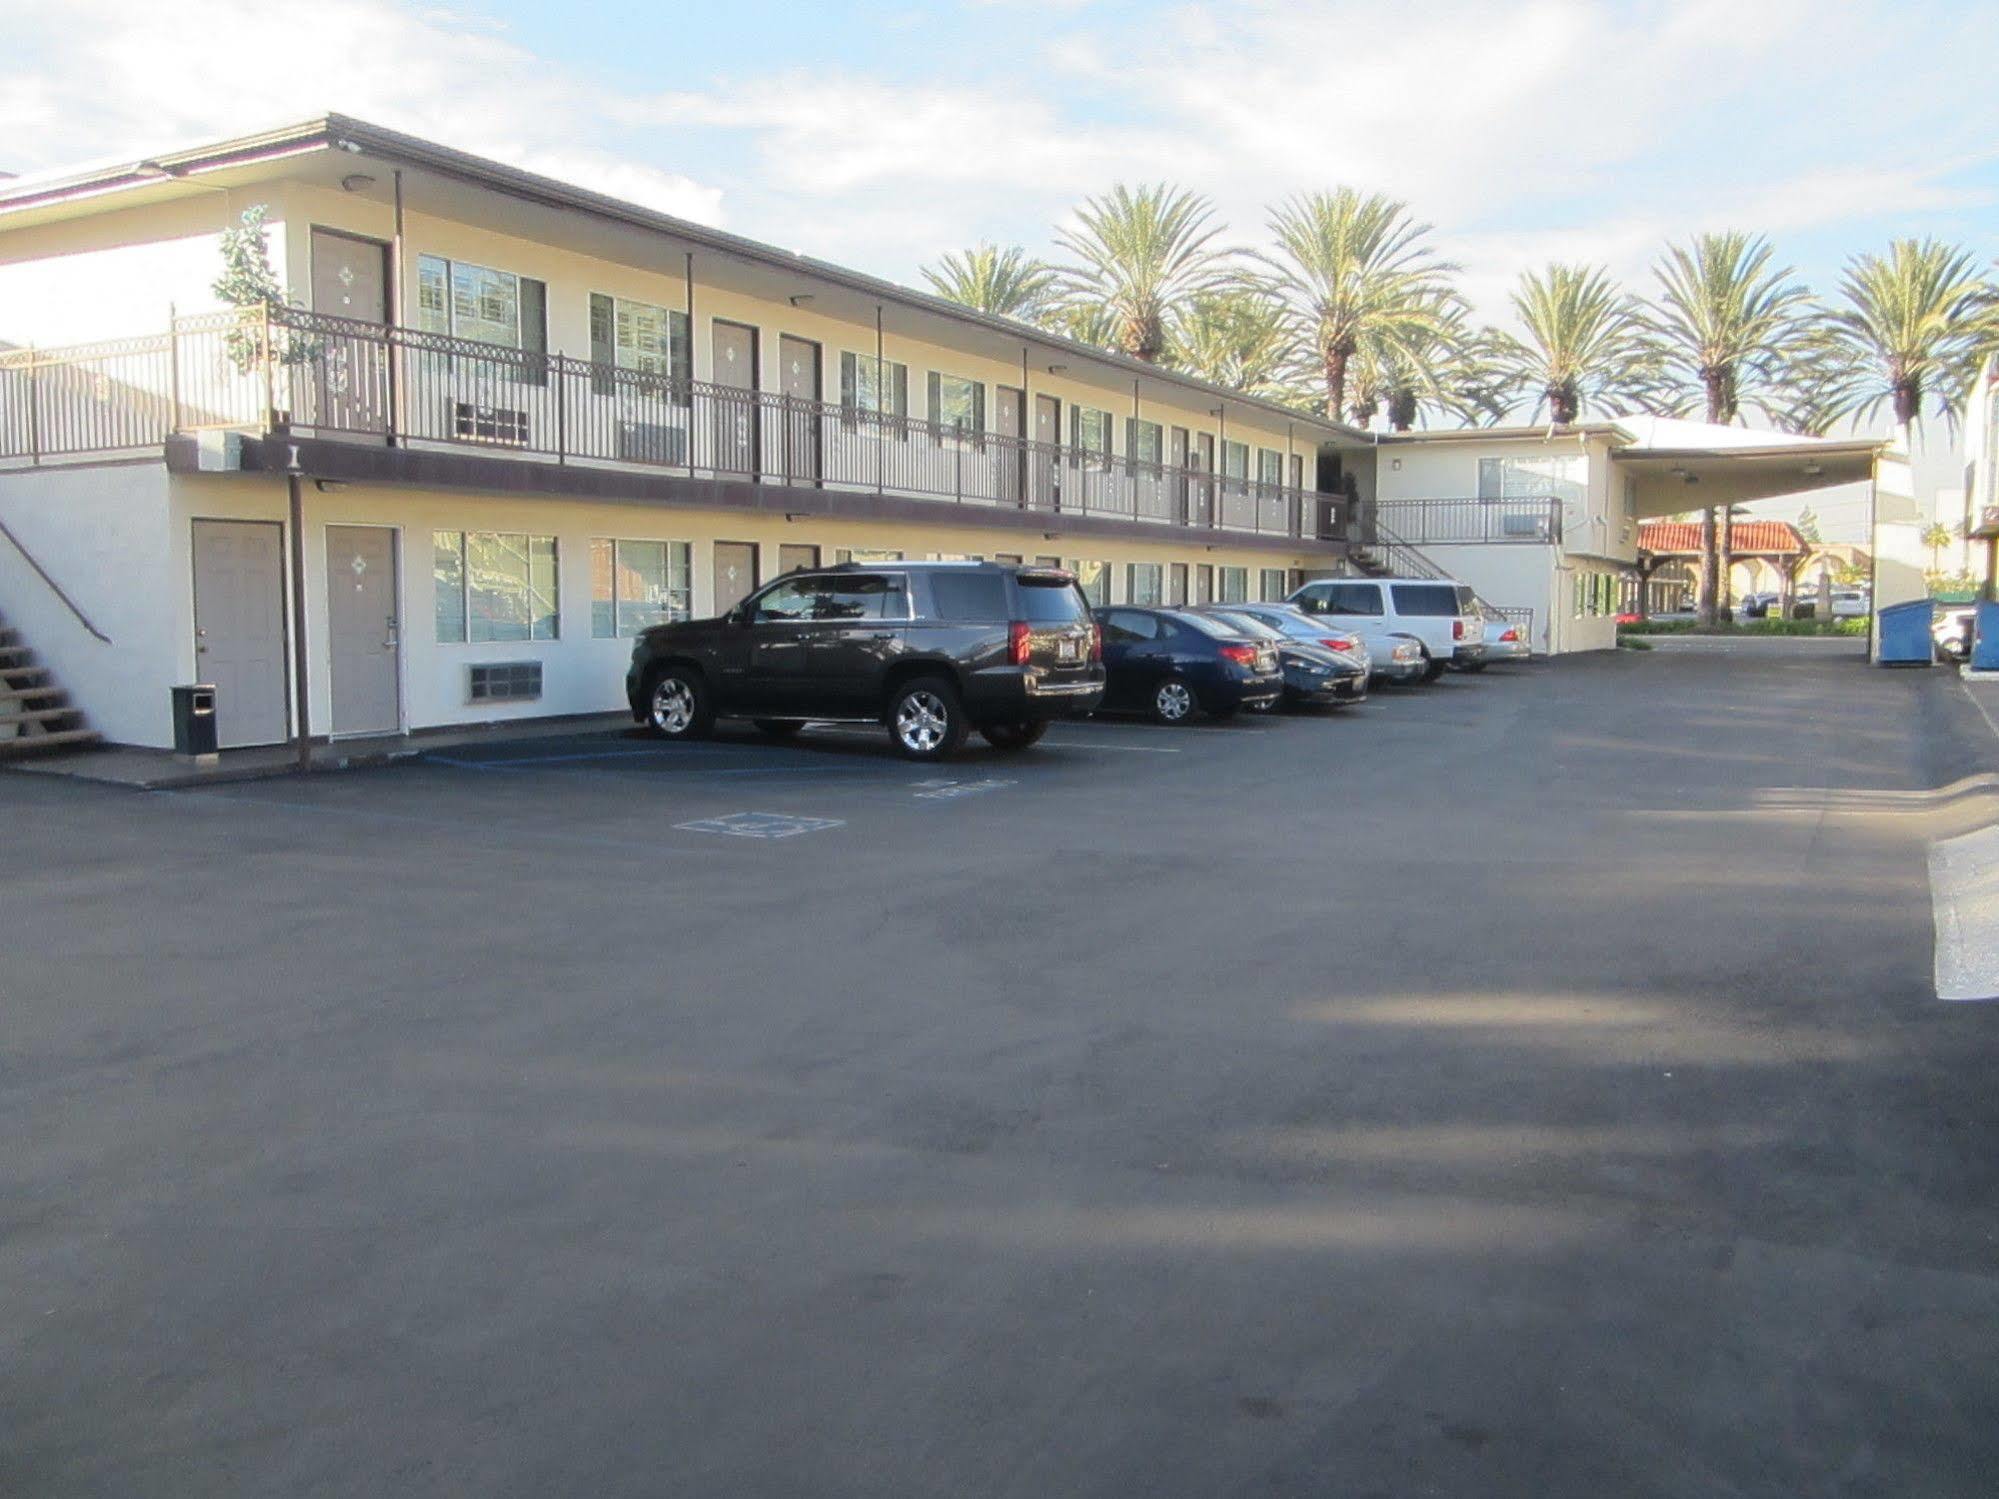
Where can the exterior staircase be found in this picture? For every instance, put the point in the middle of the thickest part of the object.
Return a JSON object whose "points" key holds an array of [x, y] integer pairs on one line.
{"points": [[35, 712]]}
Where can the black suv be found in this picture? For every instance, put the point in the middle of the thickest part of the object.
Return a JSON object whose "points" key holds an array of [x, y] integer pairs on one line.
{"points": [[930, 649]]}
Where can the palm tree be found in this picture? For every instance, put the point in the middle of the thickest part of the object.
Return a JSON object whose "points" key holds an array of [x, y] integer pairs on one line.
{"points": [[1936, 538], [1243, 338], [1360, 274], [1086, 322], [1917, 320], [1005, 282], [1728, 318], [1588, 344], [1140, 254], [1820, 381]]}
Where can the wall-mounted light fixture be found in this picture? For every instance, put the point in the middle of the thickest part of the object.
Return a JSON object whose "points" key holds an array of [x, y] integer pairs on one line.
{"points": [[1056, 369], [329, 486], [800, 298], [355, 182]]}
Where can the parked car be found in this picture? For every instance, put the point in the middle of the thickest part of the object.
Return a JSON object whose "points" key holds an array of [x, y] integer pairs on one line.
{"points": [[1851, 603], [1315, 674], [1503, 641], [1950, 631], [930, 650], [1442, 615], [1168, 662], [1390, 657]]}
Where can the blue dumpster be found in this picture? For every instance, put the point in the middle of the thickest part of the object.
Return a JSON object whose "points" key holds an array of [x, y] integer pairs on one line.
{"points": [[1985, 637], [1905, 634]]}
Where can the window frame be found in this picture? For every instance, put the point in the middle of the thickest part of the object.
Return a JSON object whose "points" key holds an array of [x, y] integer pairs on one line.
{"points": [[679, 358], [465, 615], [673, 613]]}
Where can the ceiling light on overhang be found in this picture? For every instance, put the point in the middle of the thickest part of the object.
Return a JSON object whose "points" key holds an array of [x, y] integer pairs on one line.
{"points": [[1813, 470], [355, 182], [801, 298]]}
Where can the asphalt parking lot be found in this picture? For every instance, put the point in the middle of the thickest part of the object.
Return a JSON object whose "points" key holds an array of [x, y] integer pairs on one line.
{"points": [[1527, 1086]]}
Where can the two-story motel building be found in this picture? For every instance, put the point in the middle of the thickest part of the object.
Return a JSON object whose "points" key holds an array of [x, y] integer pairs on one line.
{"points": [[507, 423]]}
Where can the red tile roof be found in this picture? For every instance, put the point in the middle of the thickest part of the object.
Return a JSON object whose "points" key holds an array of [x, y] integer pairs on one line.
{"points": [[1771, 537]]}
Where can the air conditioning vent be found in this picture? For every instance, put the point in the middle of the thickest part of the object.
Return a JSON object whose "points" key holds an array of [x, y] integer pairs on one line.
{"points": [[504, 681], [651, 442], [1524, 525], [501, 424]]}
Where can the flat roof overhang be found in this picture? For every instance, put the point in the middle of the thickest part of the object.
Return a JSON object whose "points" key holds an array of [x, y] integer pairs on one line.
{"points": [[346, 462], [1671, 480]]}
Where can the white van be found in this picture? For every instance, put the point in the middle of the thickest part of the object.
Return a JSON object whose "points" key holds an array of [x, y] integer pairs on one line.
{"points": [[1442, 615]]}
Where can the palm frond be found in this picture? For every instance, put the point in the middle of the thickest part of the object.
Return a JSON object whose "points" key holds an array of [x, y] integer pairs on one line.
{"points": [[1007, 282], [1140, 252]]}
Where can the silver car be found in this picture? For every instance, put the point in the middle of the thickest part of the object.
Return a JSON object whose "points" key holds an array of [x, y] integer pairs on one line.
{"points": [[1389, 657], [1504, 640]]}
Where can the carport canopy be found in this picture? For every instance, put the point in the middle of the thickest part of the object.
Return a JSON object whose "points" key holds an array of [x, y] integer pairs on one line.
{"points": [[1678, 465]]}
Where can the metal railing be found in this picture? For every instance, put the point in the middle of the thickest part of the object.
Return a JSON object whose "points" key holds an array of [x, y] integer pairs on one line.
{"points": [[1438, 522], [282, 368]]}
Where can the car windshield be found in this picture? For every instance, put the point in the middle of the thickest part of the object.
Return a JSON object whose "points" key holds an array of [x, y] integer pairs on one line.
{"points": [[1050, 599]]}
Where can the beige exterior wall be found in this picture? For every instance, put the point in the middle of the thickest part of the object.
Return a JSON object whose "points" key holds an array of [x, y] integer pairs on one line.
{"points": [[581, 674]]}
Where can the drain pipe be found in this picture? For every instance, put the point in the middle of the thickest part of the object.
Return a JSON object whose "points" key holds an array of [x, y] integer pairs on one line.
{"points": [[302, 697]]}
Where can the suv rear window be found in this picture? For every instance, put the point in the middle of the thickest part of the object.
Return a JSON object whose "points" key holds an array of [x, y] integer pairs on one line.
{"points": [[1046, 599], [1467, 601], [980, 596], [1425, 599]]}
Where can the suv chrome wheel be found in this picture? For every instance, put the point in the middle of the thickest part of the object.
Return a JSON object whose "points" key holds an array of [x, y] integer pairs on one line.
{"points": [[922, 721], [673, 706], [1172, 702]]}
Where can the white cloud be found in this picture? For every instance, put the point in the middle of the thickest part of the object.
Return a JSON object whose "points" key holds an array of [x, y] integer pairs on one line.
{"points": [[96, 78]]}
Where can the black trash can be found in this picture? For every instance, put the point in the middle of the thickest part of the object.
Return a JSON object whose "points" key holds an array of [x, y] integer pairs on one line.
{"points": [[194, 721]]}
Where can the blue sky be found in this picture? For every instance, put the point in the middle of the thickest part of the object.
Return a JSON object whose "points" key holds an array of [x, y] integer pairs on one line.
{"points": [[879, 135]]}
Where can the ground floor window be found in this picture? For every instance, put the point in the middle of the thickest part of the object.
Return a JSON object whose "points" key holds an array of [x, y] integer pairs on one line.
{"points": [[865, 554], [1094, 578], [1271, 582], [1142, 583], [495, 585], [637, 584], [1235, 585]]}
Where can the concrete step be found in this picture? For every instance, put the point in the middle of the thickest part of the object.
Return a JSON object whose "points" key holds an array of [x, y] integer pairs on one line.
{"points": [[17, 716]]}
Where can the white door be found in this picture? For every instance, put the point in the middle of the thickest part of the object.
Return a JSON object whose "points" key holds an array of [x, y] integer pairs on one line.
{"points": [[362, 629], [239, 628]]}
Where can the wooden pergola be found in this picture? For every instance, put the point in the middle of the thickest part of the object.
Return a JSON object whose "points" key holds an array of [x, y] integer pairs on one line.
{"points": [[1663, 543]]}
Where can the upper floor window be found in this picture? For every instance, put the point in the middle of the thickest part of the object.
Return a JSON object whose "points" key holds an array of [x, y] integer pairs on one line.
{"points": [[957, 405], [480, 303], [1144, 442], [638, 336], [1090, 431], [1562, 476], [880, 386], [1270, 468], [1235, 460]]}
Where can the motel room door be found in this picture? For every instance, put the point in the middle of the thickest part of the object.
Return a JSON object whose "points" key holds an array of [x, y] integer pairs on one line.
{"points": [[1046, 464], [239, 628], [363, 632], [1010, 422], [735, 573], [349, 386], [798, 377], [735, 419]]}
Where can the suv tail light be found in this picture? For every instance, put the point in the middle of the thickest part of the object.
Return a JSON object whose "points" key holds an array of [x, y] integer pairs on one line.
{"points": [[1242, 655], [1018, 642], [1096, 640], [1457, 629]]}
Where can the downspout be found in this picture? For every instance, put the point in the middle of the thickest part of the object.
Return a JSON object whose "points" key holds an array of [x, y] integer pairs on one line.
{"points": [[301, 694], [395, 310]]}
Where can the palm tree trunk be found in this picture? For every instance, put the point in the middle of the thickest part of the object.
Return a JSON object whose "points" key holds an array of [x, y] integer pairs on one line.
{"points": [[1336, 382], [1706, 604], [1725, 561]]}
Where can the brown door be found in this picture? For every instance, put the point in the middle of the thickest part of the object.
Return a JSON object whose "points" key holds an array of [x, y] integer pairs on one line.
{"points": [[1045, 465], [1176, 461], [1204, 583], [239, 628], [348, 388], [798, 376], [735, 573], [363, 634], [792, 555], [1176, 584], [1010, 423], [733, 426]]}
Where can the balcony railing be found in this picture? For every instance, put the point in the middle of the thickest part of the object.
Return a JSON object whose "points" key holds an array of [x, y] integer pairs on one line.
{"points": [[322, 376], [1440, 522]]}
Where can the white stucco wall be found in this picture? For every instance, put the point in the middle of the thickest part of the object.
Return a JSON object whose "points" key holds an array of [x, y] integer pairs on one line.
{"points": [[101, 532]]}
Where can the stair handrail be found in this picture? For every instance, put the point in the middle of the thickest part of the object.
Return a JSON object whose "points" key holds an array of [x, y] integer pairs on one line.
{"points": [[54, 587], [1424, 565]]}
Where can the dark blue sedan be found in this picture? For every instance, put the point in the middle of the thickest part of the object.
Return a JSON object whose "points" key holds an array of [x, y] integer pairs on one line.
{"points": [[1167, 662]]}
